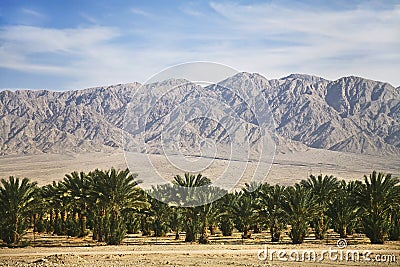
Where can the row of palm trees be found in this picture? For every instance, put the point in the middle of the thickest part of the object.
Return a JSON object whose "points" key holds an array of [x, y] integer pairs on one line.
{"points": [[109, 204]]}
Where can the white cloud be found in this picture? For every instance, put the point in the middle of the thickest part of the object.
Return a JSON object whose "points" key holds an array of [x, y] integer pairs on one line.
{"points": [[33, 13], [141, 12], [29, 39], [191, 9], [81, 45], [89, 18], [91, 58], [333, 43]]}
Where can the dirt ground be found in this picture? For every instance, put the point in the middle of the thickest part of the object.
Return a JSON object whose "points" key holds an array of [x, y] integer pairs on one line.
{"points": [[178, 255], [232, 251]]}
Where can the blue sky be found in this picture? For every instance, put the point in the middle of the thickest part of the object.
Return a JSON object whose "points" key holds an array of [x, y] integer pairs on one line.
{"points": [[73, 44]]}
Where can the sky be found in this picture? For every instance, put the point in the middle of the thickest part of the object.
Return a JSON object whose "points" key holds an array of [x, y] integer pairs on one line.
{"points": [[76, 44]]}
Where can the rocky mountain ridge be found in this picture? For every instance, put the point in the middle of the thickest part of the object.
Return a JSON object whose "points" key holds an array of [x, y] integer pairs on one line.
{"points": [[350, 114]]}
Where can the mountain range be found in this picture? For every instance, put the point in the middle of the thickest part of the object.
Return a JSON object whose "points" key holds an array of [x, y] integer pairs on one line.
{"points": [[351, 114]]}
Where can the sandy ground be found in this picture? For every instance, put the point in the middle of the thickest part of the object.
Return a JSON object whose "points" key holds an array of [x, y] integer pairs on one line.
{"points": [[286, 168], [172, 254]]}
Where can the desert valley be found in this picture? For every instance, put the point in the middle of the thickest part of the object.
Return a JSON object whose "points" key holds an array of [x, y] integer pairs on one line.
{"points": [[347, 128]]}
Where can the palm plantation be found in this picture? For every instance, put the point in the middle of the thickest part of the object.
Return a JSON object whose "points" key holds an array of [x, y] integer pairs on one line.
{"points": [[107, 204]]}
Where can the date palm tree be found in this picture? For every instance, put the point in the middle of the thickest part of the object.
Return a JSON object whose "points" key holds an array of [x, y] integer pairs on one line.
{"points": [[191, 180], [394, 232], [254, 188], [194, 184], [209, 212], [243, 210], [394, 216], [16, 199], [379, 194], [160, 214], [344, 211], [59, 203], [40, 209], [270, 208], [78, 186], [225, 220], [48, 195], [114, 193], [299, 208], [323, 189], [175, 222]]}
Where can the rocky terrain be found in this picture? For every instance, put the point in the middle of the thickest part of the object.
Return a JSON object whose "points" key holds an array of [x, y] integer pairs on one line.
{"points": [[350, 114]]}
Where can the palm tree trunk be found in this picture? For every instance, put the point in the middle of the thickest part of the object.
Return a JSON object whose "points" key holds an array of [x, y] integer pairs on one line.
{"points": [[63, 222], [145, 226], [256, 228], [343, 232], [212, 229], [190, 235], [15, 234], [246, 232], [177, 236], [34, 219], [82, 222], [204, 237], [51, 228], [275, 233], [320, 227], [190, 232]]}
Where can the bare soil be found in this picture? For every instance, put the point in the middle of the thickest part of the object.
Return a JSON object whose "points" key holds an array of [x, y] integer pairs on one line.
{"points": [[136, 250]]}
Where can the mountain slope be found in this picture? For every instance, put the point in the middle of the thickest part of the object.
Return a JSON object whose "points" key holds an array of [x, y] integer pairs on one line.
{"points": [[77, 121], [350, 114]]}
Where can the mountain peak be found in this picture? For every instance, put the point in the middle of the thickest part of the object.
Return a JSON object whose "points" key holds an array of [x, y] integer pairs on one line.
{"points": [[305, 77], [245, 75], [358, 79]]}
